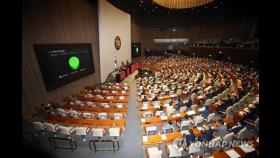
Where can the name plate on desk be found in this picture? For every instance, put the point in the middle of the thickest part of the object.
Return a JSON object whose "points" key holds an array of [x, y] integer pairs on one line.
{"points": [[163, 117], [191, 112], [163, 137]]}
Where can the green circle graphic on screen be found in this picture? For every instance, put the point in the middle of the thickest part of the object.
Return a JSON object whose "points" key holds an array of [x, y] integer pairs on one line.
{"points": [[136, 50], [74, 62]]}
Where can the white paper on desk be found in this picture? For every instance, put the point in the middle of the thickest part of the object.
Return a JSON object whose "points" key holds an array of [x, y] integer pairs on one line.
{"points": [[163, 137], [191, 112], [143, 120], [157, 106], [247, 148], [178, 115], [163, 117], [144, 107], [233, 154], [173, 95], [200, 128], [201, 109], [145, 138]]}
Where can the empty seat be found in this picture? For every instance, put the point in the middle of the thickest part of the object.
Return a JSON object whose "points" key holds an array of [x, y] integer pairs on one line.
{"points": [[198, 120], [154, 152], [98, 132], [87, 115], [102, 115], [51, 128], [228, 137], [115, 132], [118, 116], [183, 109], [65, 130], [82, 131], [211, 117]]}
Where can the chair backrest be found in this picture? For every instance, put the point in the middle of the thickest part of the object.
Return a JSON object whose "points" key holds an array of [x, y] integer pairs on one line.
{"points": [[81, 131], [90, 103], [73, 113], [183, 109], [118, 116], [214, 141], [194, 106], [119, 105], [229, 110], [242, 133], [87, 115], [194, 148], [97, 132], [38, 125], [198, 120], [185, 123], [154, 152], [64, 130], [114, 132], [170, 110], [49, 127], [60, 112], [228, 137], [211, 116], [102, 115]]}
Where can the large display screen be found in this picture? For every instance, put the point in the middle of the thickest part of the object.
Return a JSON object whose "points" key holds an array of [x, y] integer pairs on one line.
{"points": [[63, 63]]}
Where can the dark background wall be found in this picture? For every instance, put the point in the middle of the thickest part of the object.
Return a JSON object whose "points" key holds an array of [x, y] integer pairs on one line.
{"points": [[55, 21]]}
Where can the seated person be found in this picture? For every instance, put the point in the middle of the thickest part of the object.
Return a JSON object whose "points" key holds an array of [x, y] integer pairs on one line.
{"points": [[179, 103], [207, 133], [145, 99], [155, 98], [205, 113], [220, 129], [235, 129], [190, 138], [46, 107]]}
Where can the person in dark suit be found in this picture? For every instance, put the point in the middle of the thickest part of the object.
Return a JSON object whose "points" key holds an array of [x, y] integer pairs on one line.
{"points": [[207, 134], [190, 138], [155, 98], [144, 99], [205, 113]]}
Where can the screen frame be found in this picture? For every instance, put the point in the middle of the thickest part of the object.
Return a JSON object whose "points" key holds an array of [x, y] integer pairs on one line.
{"points": [[49, 83]]}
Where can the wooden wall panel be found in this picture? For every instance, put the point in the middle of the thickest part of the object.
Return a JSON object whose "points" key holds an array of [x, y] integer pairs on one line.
{"points": [[52, 21]]}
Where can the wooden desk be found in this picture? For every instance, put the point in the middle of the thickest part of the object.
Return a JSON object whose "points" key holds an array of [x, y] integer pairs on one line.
{"points": [[96, 109], [106, 123], [115, 100], [109, 93], [157, 139]]}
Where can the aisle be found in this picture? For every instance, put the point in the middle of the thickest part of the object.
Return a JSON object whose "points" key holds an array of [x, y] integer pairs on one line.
{"points": [[132, 137]]}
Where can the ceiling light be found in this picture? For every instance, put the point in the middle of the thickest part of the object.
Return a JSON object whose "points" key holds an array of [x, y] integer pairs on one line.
{"points": [[181, 4]]}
